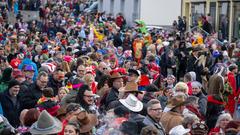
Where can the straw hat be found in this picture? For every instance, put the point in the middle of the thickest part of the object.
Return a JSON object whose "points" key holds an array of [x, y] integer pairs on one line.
{"points": [[132, 103], [46, 125], [130, 87]]}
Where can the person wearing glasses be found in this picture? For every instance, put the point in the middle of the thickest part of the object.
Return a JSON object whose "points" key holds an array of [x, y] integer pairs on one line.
{"points": [[101, 71], [86, 99], [34, 92], [154, 111], [81, 71]]}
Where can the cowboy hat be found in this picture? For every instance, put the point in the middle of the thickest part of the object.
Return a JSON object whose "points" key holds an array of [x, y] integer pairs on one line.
{"points": [[46, 125], [87, 121], [130, 87], [132, 103], [179, 130], [177, 100], [116, 75]]}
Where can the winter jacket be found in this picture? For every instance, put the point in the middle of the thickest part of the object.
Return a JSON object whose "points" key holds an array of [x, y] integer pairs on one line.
{"points": [[215, 106], [170, 120], [202, 103], [11, 111], [148, 121], [137, 118], [112, 96], [55, 85], [99, 75], [191, 65], [31, 96]]}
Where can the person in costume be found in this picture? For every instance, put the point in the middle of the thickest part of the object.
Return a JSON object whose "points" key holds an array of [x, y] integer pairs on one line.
{"points": [[138, 45]]}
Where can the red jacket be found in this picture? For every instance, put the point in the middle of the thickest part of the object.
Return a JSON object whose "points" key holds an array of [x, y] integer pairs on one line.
{"points": [[231, 102]]}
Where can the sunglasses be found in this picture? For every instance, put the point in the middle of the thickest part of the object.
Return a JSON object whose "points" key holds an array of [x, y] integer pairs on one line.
{"points": [[201, 126]]}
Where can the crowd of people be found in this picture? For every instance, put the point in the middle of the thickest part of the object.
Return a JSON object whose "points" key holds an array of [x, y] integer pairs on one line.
{"points": [[73, 73]]}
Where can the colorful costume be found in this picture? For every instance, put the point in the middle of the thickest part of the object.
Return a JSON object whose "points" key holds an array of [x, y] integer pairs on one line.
{"points": [[137, 50]]}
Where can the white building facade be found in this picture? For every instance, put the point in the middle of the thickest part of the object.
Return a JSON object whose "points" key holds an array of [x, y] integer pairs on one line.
{"points": [[153, 12]]}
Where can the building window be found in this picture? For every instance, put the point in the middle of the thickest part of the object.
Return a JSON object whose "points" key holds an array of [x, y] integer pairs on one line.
{"points": [[212, 14], [198, 10], [101, 5], [122, 6], [136, 10], [236, 20], [224, 12], [111, 6]]}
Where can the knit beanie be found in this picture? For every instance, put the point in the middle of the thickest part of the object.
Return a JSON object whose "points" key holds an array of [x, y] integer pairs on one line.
{"points": [[13, 83]]}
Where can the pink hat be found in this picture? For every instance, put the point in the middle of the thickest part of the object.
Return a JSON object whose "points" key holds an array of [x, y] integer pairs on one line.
{"points": [[67, 58]]}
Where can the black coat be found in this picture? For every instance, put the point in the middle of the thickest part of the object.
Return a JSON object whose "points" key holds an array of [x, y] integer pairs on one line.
{"points": [[54, 85], [191, 65], [31, 96], [10, 111], [202, 103], [112, 96], [117, 41], [214, 109], [99, 75]]}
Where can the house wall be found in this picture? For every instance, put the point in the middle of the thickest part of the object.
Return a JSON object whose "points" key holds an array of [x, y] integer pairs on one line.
{"points": [[126, 7], [153, 12], [160, 12]]}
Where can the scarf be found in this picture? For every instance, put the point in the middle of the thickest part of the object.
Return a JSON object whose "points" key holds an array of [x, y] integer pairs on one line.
{"points": [[195, 111]]}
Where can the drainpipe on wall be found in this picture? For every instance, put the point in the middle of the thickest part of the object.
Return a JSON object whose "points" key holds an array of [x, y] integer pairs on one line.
{"points": [[230, 22]]}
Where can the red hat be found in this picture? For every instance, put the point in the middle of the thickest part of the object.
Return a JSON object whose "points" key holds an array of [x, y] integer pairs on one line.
{"points": [[15, 63]]}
